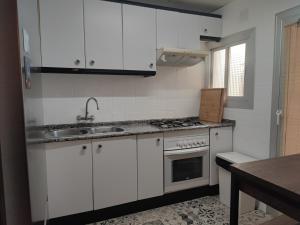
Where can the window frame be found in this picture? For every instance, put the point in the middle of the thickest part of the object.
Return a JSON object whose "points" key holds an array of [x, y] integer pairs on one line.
{"points": [[245, 37]]}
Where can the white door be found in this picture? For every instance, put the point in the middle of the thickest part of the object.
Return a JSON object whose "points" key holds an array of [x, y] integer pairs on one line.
{"points": [[139, 38], [69, 178], [150, 166], [220, 141], [167, 29], [285, 102], [115, 171], [103, 34], [211, 26], [62, 33]]}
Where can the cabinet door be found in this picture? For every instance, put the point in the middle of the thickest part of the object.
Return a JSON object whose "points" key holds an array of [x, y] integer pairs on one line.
{"points": [[103, 34], [150, 166], [167, 29], [115, 171], [211, 26], [62, 33], [69, 178], [189, 29], [139, 38], [220, 141]]}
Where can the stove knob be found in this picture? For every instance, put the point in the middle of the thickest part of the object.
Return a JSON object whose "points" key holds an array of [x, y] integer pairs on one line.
{"points": [[203, 142]]}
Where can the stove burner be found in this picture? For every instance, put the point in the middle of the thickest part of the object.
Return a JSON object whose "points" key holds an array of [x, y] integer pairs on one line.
{"points": [[176, 123]]}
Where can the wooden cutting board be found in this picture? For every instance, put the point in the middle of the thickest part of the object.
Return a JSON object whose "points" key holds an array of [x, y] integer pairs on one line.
{"points": [[212, 105]]}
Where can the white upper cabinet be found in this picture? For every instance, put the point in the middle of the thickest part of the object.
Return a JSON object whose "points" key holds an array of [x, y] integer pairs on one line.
{"points": [[181, 30], [62, 33], [115, 171], [211, 26], [167, 29], [139, 38], [97, 34], [189, 30], [103, 34]]}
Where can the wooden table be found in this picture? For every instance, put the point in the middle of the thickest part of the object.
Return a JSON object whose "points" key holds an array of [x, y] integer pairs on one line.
{"points": [[275, 182]]}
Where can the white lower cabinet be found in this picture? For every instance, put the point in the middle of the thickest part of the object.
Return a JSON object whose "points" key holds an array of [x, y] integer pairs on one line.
{"points": [[220, 141], [114, 171], [91, 175], [150, 165], [69, 178]]}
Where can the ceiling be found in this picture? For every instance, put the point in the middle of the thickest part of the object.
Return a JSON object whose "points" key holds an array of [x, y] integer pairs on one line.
{"points": [[195, 5]]}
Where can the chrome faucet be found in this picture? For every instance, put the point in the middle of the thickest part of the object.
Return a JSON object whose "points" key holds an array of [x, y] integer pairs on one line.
{"points": [[87, 117]]}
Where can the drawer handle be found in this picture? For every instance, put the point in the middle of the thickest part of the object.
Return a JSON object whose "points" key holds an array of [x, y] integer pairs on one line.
{"points": [[84, 147], [217, 134]]}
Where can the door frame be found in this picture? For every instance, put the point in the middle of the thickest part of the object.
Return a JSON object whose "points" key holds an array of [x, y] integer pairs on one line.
{"points": [[284, 18], [2, 204]]}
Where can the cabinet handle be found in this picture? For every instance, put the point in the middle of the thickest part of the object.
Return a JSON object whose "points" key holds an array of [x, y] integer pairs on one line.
{"points": [[83, 150], [216, 134], [205, 30], [98, 150], [77, 62], [158, 141], [151, 65], [92, 62]]}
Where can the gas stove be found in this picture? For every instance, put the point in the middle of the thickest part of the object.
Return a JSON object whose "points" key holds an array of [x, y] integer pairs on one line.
{"points": [[177, 123]]}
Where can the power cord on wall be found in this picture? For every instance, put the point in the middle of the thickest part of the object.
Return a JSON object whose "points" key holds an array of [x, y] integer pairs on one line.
{"points": [[46, 212]]}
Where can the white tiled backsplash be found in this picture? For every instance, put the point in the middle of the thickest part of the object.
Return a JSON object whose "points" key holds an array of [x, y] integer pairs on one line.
{"points": [[173, 92]]}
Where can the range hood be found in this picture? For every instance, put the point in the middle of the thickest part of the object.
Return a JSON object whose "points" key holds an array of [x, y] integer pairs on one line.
{"points": [[180, 57]]}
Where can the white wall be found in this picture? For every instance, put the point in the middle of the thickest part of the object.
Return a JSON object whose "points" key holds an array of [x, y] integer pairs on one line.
{"points": [[252, 133], [28, 20], [171, 93]]}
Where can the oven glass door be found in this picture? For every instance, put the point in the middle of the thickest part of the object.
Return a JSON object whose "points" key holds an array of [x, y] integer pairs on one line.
{"points": [[186, 169]]}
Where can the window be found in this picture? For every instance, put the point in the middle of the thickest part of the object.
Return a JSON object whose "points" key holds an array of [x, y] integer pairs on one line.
{"points": [[233, 68], [236, 75]]}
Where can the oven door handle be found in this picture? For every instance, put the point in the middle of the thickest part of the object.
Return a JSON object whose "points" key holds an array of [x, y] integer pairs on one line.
{"points": [[184, 152]]}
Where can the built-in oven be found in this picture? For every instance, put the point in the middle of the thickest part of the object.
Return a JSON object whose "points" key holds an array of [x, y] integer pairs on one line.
{"points": [[186, 162]]}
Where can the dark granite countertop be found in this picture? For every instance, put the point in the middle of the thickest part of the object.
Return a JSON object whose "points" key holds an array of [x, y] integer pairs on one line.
{"points": [[130, 128]]}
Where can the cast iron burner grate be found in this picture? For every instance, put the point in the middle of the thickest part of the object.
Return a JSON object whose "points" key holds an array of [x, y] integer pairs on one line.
{"points": [[176, 123]]}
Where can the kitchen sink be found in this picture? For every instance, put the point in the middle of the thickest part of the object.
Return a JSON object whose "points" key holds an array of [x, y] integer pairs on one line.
{"points": [[98, 130], [82, 131], [68, 132], [40, 134]]}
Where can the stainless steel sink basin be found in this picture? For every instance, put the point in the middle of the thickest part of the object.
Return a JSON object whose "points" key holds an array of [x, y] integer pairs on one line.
{"points": [[68, 132], [98, 130], [39, 134]]}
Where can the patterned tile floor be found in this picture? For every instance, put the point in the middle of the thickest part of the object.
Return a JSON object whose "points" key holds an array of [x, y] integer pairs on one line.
{"points": [[202, 211]]}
